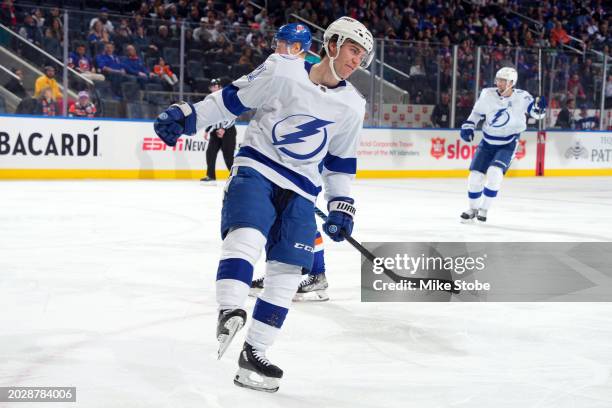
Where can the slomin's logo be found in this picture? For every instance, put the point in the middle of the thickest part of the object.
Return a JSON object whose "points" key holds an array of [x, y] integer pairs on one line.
{"points": [[48, 144], [437, 147], [454, 151], [300, 136], [577, 151]]}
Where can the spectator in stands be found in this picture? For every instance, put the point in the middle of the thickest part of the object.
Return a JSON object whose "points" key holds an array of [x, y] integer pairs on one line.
{"points": [[565, 120], [585, 120], [47, 80], [137, 21], [558, 35], [83, 107], [51, 44], [8, 15], [15, 85], [47, 104], [194, 15], [246, 58], [97, 35], [575, 88], [133, 65], [80, 62], [200, 34], [30, 31], [140, 39], [417, 69], [164, 72], [53, 13], [57, 29], [124, 23], [39, 17], [112, 68], [161, 41], [440, 117], [121, 38], [103, 18]]}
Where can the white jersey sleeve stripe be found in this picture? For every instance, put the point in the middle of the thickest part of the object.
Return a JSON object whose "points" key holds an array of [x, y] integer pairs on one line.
{"points": [[231, 101]]}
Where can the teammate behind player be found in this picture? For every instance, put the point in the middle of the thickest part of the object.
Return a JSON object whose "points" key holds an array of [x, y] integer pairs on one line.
{"points": [[306, 115], [295, 39], [221, 136], [503, 110]]}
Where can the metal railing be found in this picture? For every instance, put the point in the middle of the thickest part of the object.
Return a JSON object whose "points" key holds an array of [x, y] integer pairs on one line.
{"points": [[420, 72]]}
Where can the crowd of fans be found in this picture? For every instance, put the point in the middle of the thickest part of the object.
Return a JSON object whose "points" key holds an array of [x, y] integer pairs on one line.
{"points": [[138, 42]]}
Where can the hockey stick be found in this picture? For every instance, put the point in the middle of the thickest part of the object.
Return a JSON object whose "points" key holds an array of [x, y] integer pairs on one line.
{"points": [[390, 274]]}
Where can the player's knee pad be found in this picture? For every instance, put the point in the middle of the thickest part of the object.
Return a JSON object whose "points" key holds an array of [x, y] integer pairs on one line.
{"points": [[243, 243], [475, 181], [281, 283], [495, 175]]}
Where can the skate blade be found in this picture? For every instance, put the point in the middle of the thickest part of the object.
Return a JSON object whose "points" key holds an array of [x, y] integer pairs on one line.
{"points": [[314, 296], [255, 292], [233, 325], [468, 221], [244, 379], [208, 183]]}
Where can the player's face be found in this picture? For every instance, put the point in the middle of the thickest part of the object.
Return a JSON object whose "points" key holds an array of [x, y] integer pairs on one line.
{"points": [[349, 58], [502, 84]]}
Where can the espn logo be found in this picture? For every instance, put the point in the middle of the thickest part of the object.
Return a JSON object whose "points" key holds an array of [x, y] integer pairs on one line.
{"points": [[156, 144]]}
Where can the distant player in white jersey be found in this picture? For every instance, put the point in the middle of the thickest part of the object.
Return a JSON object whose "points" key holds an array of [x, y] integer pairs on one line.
{"points": [[305, 132], [504, 111], [295, 39]]}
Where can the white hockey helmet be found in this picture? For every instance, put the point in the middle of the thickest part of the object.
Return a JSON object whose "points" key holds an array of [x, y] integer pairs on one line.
{"points": [[509, 74], [349, 28]]}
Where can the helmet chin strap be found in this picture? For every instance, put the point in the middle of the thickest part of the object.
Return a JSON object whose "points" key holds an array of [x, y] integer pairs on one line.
{"points": [[333, 70], [508, 88]]}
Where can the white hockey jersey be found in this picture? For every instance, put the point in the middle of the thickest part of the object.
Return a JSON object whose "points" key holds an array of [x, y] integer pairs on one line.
{"points": [[301, 131], [504, 117]]}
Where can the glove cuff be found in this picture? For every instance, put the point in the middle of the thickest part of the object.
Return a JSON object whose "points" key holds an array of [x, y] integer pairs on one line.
{"points": [[342, 204], [189, 112], [185, 107], [468, 125]]}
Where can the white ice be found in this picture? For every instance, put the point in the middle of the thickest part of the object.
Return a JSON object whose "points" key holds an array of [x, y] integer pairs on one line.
{"points": [[109, 287]]}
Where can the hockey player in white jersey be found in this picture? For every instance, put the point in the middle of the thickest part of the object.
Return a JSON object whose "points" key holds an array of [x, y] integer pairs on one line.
{"points": [[296, 39], [503, 109], [305, 132]]}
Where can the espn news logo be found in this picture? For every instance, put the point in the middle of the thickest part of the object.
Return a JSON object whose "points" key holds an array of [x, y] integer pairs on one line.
{"points": [[155, 144]]}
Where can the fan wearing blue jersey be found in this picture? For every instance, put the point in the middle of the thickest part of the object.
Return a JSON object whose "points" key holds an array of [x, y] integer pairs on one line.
{"points": [[503, 110], [304, 135], [295, 39]]}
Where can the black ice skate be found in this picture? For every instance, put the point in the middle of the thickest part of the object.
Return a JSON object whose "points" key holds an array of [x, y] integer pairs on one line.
{"points": [[313, 288], [207, 181], [256, 287], [468, 215], [482, 215], [229, 323], [255, 371]]}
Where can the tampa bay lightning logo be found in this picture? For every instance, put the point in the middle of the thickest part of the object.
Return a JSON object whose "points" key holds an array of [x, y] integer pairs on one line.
{"points": [[500, 118], [300, 136]]}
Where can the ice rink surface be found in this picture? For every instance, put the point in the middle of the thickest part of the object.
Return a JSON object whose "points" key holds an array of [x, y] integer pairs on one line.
{"points": [[109, 287]]}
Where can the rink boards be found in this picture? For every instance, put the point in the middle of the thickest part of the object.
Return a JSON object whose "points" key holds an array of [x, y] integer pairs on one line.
{"points": [[41, 148]]}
